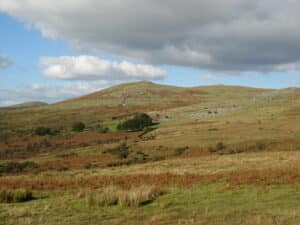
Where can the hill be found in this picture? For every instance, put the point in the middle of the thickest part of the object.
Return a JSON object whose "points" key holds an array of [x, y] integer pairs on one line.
{"points": [[123, 100], [214, 155], [188, 113]]}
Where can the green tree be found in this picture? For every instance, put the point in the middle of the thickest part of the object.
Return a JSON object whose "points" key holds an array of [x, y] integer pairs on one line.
{"points": [[138, 122], [78, 127]]}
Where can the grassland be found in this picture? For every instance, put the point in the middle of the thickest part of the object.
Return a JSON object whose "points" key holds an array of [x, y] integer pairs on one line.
{"points": [[219, 154]]}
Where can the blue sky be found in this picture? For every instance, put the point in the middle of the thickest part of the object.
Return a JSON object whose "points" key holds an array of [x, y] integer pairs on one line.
{"points": [[35, 54]]}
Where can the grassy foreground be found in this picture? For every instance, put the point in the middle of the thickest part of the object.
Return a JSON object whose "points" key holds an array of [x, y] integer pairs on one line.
{"points": [[213, 204], [214, 190]]}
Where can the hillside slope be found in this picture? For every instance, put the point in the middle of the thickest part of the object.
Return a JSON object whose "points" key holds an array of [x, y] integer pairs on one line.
{"points": [[199, 116], [123, 100]]}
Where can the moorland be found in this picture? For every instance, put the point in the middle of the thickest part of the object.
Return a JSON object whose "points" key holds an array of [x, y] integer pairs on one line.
{"points": [[144, 153]]}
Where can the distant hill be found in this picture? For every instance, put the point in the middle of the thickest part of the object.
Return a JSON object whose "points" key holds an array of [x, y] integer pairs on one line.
{"points": [[25, 105], [160, 101], [147, 96]]}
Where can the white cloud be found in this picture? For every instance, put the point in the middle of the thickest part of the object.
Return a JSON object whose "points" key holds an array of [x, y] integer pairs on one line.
{"points": [[49, 93], [5, 61], [288, 67], [92, 68], [227, 35]]}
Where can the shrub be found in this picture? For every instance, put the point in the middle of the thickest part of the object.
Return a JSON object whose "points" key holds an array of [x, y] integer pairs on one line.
{"points": [[138, 122], [15, 196], [42, 131], [78, 127]]}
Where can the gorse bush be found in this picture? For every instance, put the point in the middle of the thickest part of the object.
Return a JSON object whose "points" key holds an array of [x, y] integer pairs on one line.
{"points": [[15, 196], [138, 122], [78, 127], [110, 196]]}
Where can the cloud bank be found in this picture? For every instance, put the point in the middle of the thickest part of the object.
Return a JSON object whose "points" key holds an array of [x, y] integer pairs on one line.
{"points": [[5, 61], [228, 35], [93, 68]]}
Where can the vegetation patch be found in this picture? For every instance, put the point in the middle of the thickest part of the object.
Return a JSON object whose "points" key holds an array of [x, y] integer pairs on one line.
{"points": [[15, 167], [137, 123], [100, 129], [89, 166], [112, 195], [15, 196], [43, 131], [78, 127], [213, 129], [261, 145], [122, 151], [66, 155], [180, 151], [219, 147]]}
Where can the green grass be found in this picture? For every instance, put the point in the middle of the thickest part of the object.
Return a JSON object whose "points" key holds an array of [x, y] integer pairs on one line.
{"points": [[112, 125], [208, 204]]}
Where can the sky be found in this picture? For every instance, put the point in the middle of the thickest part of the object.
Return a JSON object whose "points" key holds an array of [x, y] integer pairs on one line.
{"points": [[54, 50]]}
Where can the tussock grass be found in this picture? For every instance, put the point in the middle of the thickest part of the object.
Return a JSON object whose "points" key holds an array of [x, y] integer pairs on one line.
{"points": [[15, 196], [113, 195]]}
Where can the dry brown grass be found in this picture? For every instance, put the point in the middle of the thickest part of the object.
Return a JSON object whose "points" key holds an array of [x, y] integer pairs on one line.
{"points": [[258, 177], [28, 146], [113, 195]]}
